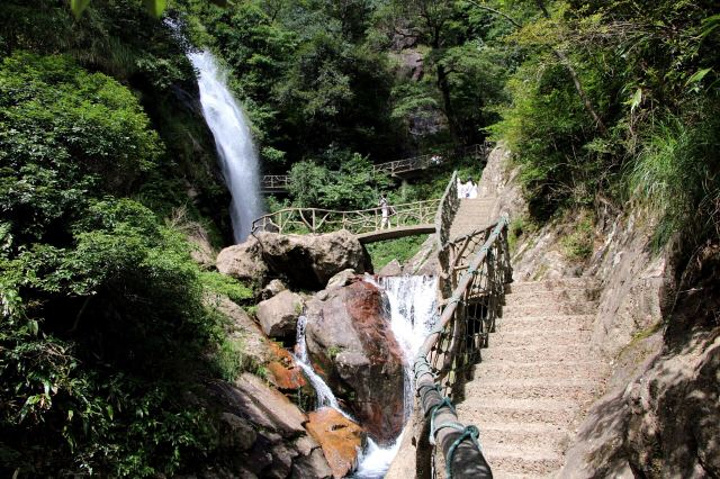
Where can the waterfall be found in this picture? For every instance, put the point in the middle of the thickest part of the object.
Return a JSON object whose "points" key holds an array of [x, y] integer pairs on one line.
{"points": [[324, 394], [413, 312], [233, 140]]}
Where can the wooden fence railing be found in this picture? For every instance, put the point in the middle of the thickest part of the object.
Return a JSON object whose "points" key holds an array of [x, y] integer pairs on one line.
{"points": [[477, 271], [316, 221], [273, 183]]}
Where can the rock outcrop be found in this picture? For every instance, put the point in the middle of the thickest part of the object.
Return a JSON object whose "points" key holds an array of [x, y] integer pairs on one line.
{"points": [[339, 437], [306, 261], [309, 261], [243, 261], [263, 435], [278, 315], [350, 342]]}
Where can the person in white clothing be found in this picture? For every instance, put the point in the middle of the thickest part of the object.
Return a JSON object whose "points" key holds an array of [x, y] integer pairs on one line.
{"points": [[384, 211]]}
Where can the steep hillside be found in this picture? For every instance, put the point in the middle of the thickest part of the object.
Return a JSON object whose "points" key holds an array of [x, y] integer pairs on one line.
{"points": [[656, 325]]}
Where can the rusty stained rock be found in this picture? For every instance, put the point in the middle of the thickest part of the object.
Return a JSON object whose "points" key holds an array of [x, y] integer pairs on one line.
{"points": [[340, 438], [352, 346]]}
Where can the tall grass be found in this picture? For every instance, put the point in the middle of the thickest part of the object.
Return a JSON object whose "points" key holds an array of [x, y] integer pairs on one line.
{"points": [[675, 176]]}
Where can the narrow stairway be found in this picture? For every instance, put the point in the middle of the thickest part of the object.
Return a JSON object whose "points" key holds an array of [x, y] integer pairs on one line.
{"points": [[537, 377], [472, 215]]}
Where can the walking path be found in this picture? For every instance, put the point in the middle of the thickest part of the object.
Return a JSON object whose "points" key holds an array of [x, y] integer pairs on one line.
{"points": [[537, 377]]}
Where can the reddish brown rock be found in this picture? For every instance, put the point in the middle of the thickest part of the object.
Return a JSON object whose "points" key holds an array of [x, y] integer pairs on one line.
{"points": [[340, 438], [284, 373], [350, 341]]}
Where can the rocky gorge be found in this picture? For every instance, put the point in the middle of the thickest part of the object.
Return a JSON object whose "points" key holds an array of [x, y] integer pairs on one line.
{"points": [[271, 418]]}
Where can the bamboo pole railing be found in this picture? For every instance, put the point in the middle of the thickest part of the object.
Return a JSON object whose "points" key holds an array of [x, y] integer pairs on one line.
{"points": [[454, 341], [317, 221], [271, 183]]}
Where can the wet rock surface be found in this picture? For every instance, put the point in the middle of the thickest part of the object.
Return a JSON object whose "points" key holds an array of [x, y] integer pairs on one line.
{"points": [[339, 437], [352, 346]]}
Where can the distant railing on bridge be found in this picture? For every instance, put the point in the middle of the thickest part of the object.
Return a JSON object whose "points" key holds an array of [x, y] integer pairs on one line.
{"points": [[274, 183], [316, 220]]}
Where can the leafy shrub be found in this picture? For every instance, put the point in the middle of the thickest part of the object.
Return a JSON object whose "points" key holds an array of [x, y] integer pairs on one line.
{"points": [[103, 319], [67, 134], [401, 249]]}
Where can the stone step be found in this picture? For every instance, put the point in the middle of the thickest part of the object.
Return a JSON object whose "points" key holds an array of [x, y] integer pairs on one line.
{"points": [[524, 435], [510, 370], [575, 389], [553, 285], [553, 337], [506, 458], [520, 309], [553, 295], [576, 322], [534, 352], [549, 412]]}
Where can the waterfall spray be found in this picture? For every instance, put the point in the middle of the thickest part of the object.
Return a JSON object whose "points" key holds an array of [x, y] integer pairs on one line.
{"points": [[413, 312]]}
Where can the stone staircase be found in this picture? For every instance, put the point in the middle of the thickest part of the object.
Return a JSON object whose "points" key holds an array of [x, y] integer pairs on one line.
{"points": [[472, 215], [537, 378]]}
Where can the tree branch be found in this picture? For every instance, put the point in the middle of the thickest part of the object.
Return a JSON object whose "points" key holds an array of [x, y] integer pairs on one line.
{"points": [[497, 12]]}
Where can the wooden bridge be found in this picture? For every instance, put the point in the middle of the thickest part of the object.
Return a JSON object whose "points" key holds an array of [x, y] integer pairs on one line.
{"points": [[397, 168], [405, 219]]}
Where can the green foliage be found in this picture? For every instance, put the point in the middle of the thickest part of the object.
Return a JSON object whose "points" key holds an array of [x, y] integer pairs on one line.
{"points": [[229, 359], [66, 134], [226, 286], [354, 186], [647, 69], [102, 308], [333, 351], [675, 175], [579, 244], [401, 249]]}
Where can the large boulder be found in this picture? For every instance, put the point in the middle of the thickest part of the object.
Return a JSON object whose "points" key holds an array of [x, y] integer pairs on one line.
{"points": [[242, 328], [243, 261], [263, 433], [309, 261], [278, 315], [340, 438], [350, 342]]}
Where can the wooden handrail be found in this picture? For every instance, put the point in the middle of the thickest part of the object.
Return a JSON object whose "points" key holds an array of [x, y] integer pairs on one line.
{"points": [[395, 167], [318, 220]]}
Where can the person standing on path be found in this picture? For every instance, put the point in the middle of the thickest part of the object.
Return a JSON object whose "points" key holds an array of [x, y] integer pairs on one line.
{"points": [[384, 210]]}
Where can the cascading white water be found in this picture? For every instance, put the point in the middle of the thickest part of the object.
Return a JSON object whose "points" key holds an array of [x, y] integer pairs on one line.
{"points": [[324, 394], [413, 310], [233, 140]]}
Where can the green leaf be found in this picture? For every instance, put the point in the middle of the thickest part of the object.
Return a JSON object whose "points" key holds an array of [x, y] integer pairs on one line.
{"points": [[78, 7], [636, 99], [155, 7], [698, 76]]}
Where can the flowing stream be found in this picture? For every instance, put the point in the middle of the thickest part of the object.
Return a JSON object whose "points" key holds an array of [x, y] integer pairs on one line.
{"points": [[233, 140], [413, 312]]}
